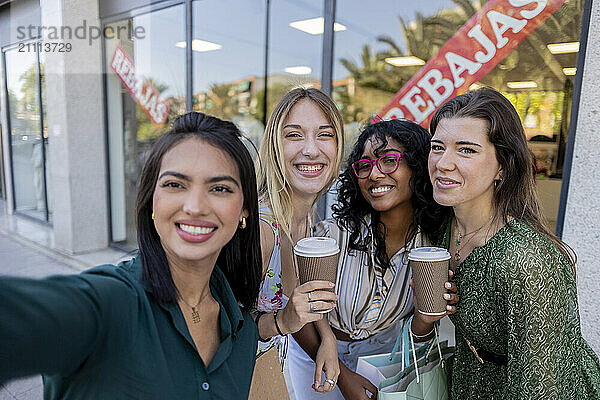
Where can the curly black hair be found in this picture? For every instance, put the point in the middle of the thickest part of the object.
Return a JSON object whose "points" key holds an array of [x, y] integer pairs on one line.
{"points": [[352, 207]]}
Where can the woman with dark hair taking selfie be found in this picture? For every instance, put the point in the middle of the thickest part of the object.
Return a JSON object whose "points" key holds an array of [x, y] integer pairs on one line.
{"points": [[517, 321], [173, 322]]}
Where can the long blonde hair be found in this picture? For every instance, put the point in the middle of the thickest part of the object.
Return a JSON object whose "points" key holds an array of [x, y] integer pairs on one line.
{"points": [[273, 188]]}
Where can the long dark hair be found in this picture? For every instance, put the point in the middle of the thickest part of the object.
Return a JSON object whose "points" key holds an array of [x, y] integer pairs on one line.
{"points": [[514, 194], [352, 207], [240, 258]]}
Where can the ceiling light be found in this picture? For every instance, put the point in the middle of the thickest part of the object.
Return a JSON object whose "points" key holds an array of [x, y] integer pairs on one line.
{"points": [[562, 48], [522, 85], [570, 71], [315, 26], [200, 45], [406, 61], [299, 70]]}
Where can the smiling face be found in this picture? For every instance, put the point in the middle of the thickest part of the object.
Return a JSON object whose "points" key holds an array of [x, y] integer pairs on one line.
{"points": [[463, 164], [385, 192], [197, 201], [309, 148]]}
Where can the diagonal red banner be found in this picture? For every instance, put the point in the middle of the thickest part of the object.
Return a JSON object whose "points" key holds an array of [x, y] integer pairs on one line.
{"points": [[474, 50]]}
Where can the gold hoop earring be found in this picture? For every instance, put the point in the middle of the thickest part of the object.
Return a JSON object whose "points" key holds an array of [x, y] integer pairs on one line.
{"points": [[243, 223], [152, 215]]}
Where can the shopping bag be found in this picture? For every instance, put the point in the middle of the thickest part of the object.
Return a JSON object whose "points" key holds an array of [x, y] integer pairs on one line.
{"points": [[425, 379], [379, 367]]}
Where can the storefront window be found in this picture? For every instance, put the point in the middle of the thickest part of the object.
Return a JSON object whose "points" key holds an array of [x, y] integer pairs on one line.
{"points": [[28, 139], [228, 62], [145, 77], [380, 52], [295, 49]]}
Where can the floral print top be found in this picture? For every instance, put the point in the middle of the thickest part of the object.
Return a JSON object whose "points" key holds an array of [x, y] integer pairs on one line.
{"points": [[271, 297], [518, 298]]}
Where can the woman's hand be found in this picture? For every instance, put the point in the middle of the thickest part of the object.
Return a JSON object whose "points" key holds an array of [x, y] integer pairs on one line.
{"points": [[304, 303], [326, 361], [354, 386]]}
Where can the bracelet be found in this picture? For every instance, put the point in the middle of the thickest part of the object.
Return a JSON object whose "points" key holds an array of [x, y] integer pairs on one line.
{"points": [[258, 315], [420, 336], [276, 324]]}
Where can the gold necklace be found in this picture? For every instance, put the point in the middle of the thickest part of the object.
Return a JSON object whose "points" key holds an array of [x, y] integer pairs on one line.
{"points": [[460, 236], [195, 314]]}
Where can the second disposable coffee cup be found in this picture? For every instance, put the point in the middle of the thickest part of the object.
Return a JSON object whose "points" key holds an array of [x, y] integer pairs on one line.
{"points": [[317, 259], [429, 267]]}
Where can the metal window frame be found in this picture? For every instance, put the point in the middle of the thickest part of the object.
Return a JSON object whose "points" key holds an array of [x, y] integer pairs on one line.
{"points": [[136, 12], [577, 85], [12, 198], [329, 8]]}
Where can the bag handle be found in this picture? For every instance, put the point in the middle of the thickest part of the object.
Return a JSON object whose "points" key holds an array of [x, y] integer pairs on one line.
{"points": [[401, 334], [436, 337]]}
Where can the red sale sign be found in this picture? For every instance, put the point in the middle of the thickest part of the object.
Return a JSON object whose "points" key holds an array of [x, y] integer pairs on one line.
{"points": [[485, 40], [141, 90]]}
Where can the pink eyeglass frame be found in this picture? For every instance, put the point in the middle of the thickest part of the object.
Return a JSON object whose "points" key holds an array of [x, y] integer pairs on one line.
{"points": [[399, 156]]}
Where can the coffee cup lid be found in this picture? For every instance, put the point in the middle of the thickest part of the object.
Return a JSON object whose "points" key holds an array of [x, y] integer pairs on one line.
{"points": [[316, 247], [429, 254]]}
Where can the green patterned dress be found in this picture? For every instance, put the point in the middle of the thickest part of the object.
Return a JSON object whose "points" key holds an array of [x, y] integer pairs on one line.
{"points": [[518, 298]]}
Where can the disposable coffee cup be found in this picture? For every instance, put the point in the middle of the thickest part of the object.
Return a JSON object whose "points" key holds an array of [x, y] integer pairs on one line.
{"points": [[429, 267], [317, 259]]}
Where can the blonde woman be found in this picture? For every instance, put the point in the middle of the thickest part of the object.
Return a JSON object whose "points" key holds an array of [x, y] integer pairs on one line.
{"points": [[300, 155]]}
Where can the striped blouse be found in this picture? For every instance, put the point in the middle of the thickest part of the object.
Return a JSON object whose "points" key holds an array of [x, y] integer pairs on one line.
{"points": [[369, 301]]}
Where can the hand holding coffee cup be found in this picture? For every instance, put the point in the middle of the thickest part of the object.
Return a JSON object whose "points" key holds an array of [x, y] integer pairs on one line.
{"points": [[430, 270], [304, 305], [317, 259]]}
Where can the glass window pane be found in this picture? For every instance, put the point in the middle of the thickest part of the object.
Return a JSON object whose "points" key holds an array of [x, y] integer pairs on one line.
{"points": [[145, 66], [295, 49], [228, 60], [371, 66], [25, 137]]}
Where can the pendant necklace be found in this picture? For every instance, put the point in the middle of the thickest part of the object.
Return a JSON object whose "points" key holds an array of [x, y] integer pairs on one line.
{"points": [[460, 236], [195, 314]]}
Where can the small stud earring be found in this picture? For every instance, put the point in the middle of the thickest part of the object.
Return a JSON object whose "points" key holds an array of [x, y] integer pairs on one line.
{"points": [[243, 223], [152, 215]]}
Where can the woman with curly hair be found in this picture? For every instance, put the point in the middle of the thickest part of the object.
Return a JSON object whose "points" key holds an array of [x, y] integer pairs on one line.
{"points": [[385, 208]]}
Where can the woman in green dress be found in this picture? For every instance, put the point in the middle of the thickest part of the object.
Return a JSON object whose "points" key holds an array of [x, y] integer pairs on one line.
{"points": [[517, 323]]}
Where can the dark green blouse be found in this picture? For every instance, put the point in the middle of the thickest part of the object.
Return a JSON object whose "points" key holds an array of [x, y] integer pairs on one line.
{"points": [[518, 298], [101, 335]]}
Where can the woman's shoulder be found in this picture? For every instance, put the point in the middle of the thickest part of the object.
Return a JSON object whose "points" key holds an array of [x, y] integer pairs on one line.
{"points": [[517, 237], [524, 250], [120, 279]]}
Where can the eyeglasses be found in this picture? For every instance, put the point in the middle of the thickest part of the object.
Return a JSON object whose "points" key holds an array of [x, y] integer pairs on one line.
{"points": [[387, 164]]}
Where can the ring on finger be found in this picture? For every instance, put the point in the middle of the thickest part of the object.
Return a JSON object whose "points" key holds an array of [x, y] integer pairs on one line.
{"points": [[311, 307], [308, 294], [331, 382]]}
